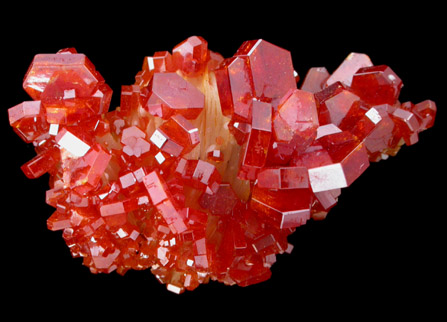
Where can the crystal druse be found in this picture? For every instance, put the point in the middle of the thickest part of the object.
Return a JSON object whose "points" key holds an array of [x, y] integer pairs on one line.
{"points": [[209, 163]]}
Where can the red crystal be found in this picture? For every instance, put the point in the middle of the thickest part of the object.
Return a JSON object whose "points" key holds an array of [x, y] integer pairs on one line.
{"points": [[235, 85], [41, 163], [296, 120], [171, 94], [425, 111], [45, 67], [283, 178], [88, 170], [199, 174], [177, 136], [285, 208], [377, 85], [209, 163], [315, 79], [254, 151], [215, 155], [68, 97], [28, 120], [335, 109], [347, 69], [271, 69], [191, 55], [407, 124], [160, 62]]}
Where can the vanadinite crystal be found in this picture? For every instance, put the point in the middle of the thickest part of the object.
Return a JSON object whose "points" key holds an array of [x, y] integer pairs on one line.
{"points": [[209, 163]]}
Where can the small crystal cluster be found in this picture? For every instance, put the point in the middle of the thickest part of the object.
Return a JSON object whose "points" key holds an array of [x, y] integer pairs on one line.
{"points": [[208, 164]]}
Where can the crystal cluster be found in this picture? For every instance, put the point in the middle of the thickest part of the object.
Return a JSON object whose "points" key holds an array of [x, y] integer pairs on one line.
{"points": [[208, 164]]}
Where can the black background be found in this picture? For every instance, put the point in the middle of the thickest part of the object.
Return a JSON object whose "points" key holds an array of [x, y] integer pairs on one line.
{"points": [[379, 251]]}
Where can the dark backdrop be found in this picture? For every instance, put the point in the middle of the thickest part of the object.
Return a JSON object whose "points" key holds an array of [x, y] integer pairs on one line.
{"points": [[379, 248]]}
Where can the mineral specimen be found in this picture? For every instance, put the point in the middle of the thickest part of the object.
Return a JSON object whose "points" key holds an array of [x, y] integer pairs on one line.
{"points": [[208, 164]]}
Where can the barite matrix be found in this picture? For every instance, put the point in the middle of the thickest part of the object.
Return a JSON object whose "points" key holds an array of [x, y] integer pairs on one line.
{"points": [[208, 164]]}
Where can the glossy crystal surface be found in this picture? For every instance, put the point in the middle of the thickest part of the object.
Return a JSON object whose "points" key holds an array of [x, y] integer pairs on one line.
{"points": [[209, 163]]}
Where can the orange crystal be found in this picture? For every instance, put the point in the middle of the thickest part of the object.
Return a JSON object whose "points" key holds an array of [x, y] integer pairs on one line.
{"points": [[209, 163]]}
